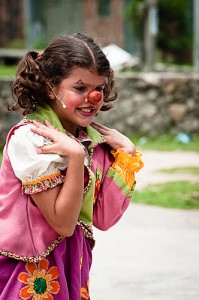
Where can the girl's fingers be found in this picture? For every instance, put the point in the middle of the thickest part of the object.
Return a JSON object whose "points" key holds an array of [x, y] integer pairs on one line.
{"points": [[101, 128], [46, 149], [97, 125], [48, 124], [37, 124], [43, 130], [40, 125]]}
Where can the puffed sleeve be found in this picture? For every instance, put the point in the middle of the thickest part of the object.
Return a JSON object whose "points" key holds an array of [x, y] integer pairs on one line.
{"points": [[37, 172], [116, 187]]}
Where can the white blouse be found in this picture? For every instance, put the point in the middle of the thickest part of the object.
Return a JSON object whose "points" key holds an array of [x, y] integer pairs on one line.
{"points": [[27, 164]]}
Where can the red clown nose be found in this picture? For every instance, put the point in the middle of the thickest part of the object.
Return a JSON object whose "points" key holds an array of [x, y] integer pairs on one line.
{"points": [[94, 97]]}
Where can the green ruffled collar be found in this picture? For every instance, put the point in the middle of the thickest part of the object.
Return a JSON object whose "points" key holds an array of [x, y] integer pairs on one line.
{"points": [[47, 113]]}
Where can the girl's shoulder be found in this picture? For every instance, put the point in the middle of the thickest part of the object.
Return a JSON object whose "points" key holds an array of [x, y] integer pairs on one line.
{"points": [[30, 166]]}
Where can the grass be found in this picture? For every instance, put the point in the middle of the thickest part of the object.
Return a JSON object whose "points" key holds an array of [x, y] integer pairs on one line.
{"points": [[182, 170], [165, 143], [177, 194]]}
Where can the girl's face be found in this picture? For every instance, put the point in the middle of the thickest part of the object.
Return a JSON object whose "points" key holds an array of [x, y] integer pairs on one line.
{"points": [[73, 92]]}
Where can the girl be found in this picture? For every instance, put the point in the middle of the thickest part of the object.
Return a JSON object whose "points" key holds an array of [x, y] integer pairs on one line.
{"points": [[61, 172]]}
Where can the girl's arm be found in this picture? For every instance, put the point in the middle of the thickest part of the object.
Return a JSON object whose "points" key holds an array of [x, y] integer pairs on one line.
{"points": [[61, 205], [117, 186]]}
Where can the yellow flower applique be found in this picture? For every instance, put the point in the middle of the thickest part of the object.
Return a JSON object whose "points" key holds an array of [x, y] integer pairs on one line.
{"points": [[85, 292], [97, 188], [40, 281]]}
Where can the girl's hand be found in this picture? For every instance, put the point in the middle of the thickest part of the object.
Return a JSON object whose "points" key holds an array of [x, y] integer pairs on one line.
{"points": [[61, 143], [115, 139]]}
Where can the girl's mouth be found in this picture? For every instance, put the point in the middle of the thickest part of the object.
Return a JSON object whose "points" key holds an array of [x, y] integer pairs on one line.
{"points": [[86, 111]]}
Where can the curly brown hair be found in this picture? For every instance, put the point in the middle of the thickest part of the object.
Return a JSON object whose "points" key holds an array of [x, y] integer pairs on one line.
{"points": [[35, 70]]}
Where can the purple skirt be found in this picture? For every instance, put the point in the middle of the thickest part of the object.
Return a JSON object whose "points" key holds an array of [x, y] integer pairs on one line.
{"points": [[62, 275]]}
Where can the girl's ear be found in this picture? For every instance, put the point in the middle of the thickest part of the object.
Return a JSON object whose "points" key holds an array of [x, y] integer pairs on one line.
{"points": [[50, 91], [51, 95]]}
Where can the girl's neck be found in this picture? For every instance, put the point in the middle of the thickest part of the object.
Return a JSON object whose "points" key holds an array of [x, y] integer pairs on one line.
{"points": [[72, 131]]}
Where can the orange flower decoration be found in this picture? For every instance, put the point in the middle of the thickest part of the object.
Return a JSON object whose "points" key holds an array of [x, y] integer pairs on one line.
{"points": [[40, 282], [97, 188], [85, 292]]}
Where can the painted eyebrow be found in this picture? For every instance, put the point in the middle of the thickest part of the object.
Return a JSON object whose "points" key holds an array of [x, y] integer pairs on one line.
{"points": [[81, 82]]}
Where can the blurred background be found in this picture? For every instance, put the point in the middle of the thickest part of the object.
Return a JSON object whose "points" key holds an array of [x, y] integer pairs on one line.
{"points": [[160, 29]]}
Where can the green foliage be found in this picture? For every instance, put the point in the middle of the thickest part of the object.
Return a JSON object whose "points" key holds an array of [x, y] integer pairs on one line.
{"points": [[40, 43], [165, 142], [177, 194], [17, 44], [135, 16], [7, 71], [175, 36]]}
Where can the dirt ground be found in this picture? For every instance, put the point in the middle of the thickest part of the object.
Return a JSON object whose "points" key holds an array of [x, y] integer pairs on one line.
{"points": [[153, 252], [155, 161]]}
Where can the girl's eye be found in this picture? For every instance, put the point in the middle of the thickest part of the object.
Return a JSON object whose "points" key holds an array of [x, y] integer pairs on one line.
{"points": [[99, 88], [80, 88]]}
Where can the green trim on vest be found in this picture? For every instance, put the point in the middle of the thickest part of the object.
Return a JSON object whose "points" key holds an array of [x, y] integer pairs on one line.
{"points": [[94, 135], [120, 182], [86, 213]]}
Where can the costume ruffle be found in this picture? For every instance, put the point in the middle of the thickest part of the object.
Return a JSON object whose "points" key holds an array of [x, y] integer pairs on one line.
{"points": [[42, 184], [126, 165]]}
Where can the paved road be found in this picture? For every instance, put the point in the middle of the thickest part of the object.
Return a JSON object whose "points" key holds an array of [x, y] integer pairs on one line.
{"points": [[152, 253]]}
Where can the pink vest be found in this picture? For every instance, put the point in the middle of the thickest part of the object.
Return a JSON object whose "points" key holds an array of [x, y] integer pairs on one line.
{"points": [[34, 228]]}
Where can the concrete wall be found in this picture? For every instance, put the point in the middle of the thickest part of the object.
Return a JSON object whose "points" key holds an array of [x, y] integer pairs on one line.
{"points": [[148, 104], [7, 119]]}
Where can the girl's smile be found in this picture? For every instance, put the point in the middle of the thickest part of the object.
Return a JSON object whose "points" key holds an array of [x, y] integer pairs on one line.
{"points": [[72, 93]]}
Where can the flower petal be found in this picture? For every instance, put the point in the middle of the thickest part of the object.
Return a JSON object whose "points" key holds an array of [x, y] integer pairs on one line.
{"points": [[35, 274], [55, 287], [43, 264], [54, 272], [48, 277], [31, 280], [31, 289], [42, 274], [23, 277], [24, 293], [85, 294], [30, 267], [37, 297], [49, 297], [45, 295]]}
